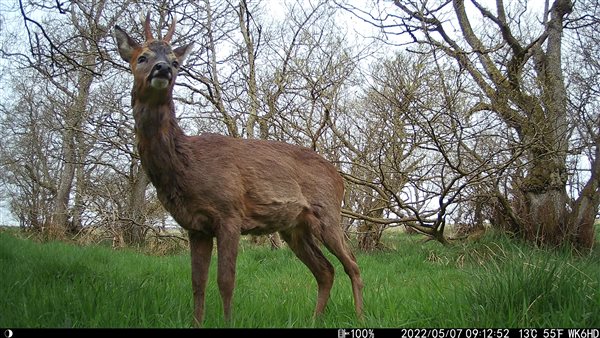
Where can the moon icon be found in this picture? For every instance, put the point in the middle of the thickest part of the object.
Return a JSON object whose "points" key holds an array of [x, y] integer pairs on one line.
{"points": [[8, 333]]}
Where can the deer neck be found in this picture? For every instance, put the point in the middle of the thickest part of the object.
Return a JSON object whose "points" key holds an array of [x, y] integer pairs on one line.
{"points": [[155, 121], [161, 143]]}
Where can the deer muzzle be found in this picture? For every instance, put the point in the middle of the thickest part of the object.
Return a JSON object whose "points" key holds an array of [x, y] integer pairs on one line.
{"points": [[161, 75]]}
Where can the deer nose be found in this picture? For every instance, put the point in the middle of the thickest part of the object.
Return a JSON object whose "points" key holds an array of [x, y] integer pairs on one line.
{"points": [[162, 68]]}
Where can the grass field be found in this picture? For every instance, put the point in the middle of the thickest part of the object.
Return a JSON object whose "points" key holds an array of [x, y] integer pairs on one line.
{"points": [[495, 282]]}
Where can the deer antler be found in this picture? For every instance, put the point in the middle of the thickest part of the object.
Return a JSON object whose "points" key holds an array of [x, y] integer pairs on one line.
{"points": [[147, 32], [171, 30]]}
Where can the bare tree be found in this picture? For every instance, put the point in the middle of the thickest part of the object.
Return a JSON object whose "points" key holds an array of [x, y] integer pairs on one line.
{"points": [[88, 142], [515, 59], [26, 152], [419, 156]]}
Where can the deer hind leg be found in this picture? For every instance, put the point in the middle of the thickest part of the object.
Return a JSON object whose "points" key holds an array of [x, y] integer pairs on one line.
{"points": [[333, 238], [201, 251], [228, 238], [302, 243]]}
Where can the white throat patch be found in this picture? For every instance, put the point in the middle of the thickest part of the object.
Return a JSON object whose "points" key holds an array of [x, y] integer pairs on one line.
{"points": [[159, 83]]}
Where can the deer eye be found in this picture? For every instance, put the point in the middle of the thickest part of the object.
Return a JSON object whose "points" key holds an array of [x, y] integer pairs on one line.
{"points": [[175, 64], [142, 59]]}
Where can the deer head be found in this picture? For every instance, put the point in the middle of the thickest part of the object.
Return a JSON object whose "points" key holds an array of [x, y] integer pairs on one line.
{"points": [[154, 64]]}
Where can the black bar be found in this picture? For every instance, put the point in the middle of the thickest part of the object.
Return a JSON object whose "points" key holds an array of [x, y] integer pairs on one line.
{"points": [[311, 333]]}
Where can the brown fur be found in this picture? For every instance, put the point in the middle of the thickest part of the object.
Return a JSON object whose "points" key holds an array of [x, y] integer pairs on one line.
{"points": [[223, 187]]}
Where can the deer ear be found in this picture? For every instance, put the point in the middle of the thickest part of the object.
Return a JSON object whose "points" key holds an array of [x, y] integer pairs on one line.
{"points": [[183, 52], [125, 44]]}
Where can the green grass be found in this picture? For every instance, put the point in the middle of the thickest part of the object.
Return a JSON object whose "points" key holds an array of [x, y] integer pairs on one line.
{"points": [[495, 282]]}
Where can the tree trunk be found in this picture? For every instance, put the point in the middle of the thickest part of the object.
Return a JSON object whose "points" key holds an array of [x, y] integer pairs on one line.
{"points": [[74, 118], [585, 208], [548, 217], [58, 225], [76, 222], [369, 237], [244, 20], [134, 229], [545, 217]]}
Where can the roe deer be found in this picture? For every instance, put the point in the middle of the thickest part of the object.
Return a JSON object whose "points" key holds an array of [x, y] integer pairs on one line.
{"points": [[224, 187]]}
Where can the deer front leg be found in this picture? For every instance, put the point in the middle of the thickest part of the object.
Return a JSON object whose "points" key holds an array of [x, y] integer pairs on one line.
{"points": [[201, 250], [228, 239]]}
